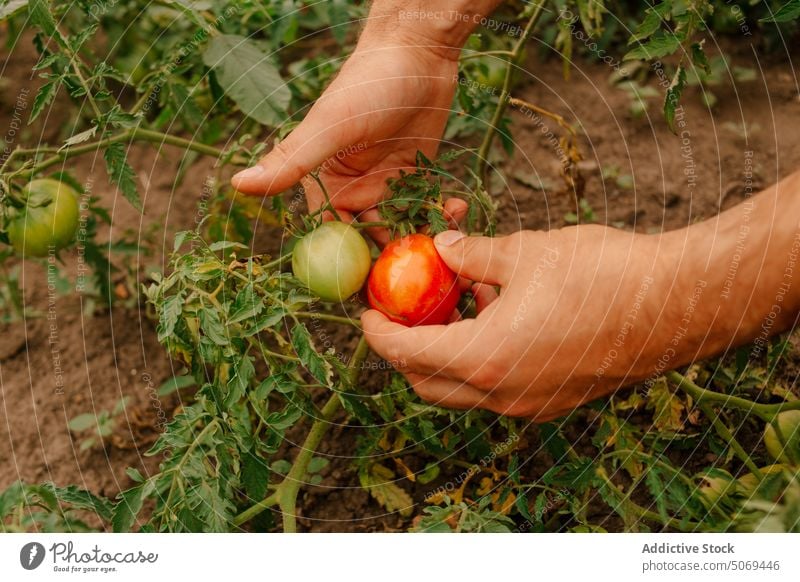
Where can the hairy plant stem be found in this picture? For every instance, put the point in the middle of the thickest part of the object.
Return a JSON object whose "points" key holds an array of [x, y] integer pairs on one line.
{"points": [[764, 411], [285, 495], [135, 134], [483, 152], [328, 317]]}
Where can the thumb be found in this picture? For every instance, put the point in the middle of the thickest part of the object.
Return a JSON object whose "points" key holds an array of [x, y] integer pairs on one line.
{"points": [[477, 258], [312, 142]]}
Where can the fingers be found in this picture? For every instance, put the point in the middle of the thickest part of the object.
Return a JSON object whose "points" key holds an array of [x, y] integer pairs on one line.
{"points": [[311, 143], [455, 210], [428, 349], [478, 258], [440, 391], [484, 295]]}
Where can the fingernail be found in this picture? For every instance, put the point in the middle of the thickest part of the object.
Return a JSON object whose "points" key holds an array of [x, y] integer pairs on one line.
{"points": [[249, 173], [448, 238]]}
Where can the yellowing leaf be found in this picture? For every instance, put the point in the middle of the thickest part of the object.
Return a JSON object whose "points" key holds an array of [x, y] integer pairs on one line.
{"points": [[378, 480], [666, 406]]}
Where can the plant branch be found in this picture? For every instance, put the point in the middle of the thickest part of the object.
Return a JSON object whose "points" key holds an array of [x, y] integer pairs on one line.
{"points": [[285, 495], [486, 144], [764, 411]]}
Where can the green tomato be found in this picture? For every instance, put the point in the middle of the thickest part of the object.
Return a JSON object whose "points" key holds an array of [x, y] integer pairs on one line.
{"points": [[49, 220], [333, 261], [789, 423]]}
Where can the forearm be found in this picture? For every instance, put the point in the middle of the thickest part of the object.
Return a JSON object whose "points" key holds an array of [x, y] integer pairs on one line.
{"points": [[442, 26], [735, 277]]}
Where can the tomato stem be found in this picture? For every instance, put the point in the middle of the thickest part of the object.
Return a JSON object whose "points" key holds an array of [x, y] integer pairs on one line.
{"points": [[285, 495]]}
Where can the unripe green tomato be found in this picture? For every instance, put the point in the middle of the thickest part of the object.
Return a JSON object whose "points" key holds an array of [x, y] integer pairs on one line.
{"points": [[789, 424], [50, 218], [332, 260]]}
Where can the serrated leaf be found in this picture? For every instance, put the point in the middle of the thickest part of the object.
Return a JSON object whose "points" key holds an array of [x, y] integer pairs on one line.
{"points": [[82, 499], [658, 46], [40, 15], [127, 508], [247, 305], [666, 406], [255, 476], [317, 366], [249, 78], [673, 96], [378, 480], [43, 98], [649, 25], [80, 137], [171, 309], [121, 174], [786, 13], [212, 327]]}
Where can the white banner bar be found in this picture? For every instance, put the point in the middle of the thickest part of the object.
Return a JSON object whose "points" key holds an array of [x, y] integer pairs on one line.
{"points": [[400, 557]]}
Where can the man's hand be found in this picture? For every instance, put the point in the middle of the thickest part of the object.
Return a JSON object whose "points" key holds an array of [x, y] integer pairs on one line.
{"points": [[391, 99], [534, 350], [387, 103], [585, 310]]}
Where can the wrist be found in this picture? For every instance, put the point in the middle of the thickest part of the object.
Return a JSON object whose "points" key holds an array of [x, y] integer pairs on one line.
{"points": [[440, 27], [729, 279]]}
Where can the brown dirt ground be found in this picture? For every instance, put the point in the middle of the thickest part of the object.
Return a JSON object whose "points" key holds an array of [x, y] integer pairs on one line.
{"points": [[105, 355]]}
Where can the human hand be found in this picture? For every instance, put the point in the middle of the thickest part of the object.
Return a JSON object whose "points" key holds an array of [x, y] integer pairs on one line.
{"points": [[391, 99], [545, 345]]}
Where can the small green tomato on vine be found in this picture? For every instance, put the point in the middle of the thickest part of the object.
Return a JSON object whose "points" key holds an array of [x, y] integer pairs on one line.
{"points": [[332, 261], [47, 218]]}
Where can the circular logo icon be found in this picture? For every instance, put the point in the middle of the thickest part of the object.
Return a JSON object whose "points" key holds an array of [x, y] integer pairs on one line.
{"points": [[31, 555]]}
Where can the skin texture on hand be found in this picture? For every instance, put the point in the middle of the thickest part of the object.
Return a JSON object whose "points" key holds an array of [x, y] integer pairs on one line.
{"points": [[391, 99], [585, 310]]}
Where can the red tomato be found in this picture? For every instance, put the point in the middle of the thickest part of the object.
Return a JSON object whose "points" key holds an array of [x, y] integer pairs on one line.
{"points": [[411, 284]]}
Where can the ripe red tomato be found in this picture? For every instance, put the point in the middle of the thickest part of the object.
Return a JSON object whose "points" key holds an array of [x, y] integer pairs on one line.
{"points": [[411, 284]]}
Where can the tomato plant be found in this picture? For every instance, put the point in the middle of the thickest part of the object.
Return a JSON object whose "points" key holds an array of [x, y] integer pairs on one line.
{"points": [[411, 284], [249, 335], [333, 261]]}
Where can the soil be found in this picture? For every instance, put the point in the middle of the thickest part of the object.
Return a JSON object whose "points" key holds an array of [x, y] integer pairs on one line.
{"points": [[67, 357]]}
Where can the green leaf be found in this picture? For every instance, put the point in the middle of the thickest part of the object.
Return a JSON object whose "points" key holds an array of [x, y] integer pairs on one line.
{"points": [[786, 13], [651, 23], [673, 96], [699, 58], [247, 305], [82, 499], [174, 384], [128, 507], [249, 78], [121, 174], [43, 98], [82, 422], [659, 46], [255, 476], [40, 15], [171, 310], [339, 14], [313, 362], [212, 327]]}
